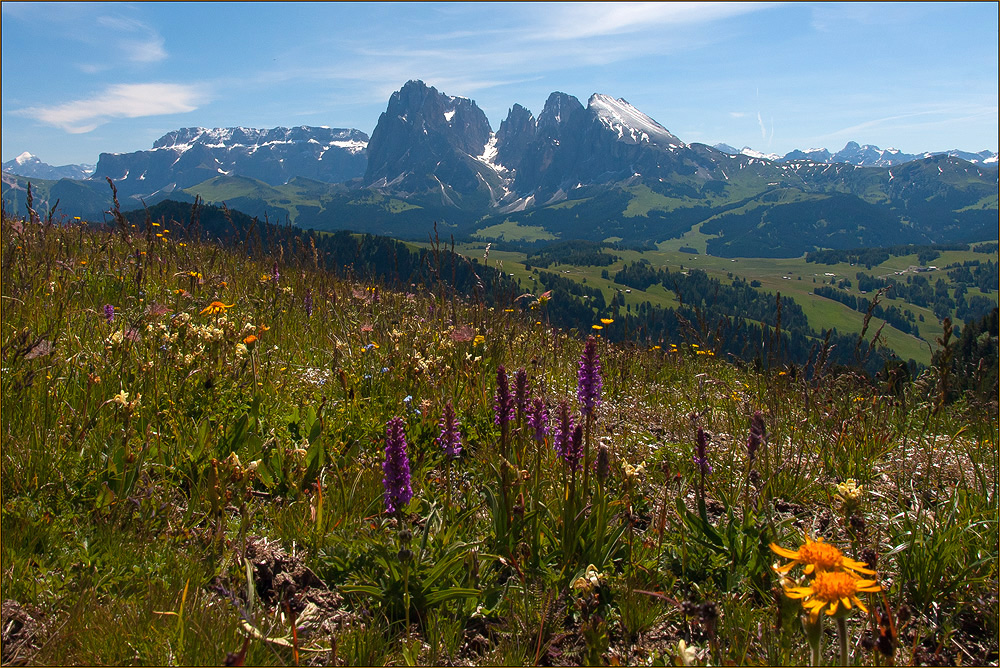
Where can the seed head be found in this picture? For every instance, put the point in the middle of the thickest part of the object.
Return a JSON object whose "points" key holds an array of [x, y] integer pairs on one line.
{"points": [[756, 435]]}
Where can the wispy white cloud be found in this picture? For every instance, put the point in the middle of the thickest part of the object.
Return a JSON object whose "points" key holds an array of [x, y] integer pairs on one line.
{"points": [[527, 43], [572, 21], [138, 41], [118, 101], [833, 17], [150, 50], [737, 114], [943, 116], [111, 38]]}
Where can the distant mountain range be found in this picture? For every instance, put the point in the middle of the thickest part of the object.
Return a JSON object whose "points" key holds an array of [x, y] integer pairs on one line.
{"points": [[602, 172], [865, 155], [29, 165]]}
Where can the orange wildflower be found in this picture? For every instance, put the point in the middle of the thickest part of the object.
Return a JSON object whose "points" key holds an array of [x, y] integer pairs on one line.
{"points": [[816, 555], [831, 589], [215, 308]]}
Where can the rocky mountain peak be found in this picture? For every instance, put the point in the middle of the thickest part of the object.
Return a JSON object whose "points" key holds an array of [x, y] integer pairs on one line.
{"points": [[426, 143], [514, 135], [559, 109]]}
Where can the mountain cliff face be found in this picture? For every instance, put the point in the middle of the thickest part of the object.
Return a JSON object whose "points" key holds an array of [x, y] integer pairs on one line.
{"points": [[190, 156], [441, 150], [429, 146]]}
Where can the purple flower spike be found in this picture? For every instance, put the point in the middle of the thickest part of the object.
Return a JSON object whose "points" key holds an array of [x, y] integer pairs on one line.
{"points": [[563, 430], [521, 393], [396, 481], [701, 458], [307, 302], [575, 452], [450, 438], [504, 406], [589, 383], [538, 419], [109, 313], [275, 274]]}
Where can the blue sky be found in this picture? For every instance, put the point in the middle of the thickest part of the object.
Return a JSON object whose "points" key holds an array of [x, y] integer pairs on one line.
{"points": [[81, 79]]}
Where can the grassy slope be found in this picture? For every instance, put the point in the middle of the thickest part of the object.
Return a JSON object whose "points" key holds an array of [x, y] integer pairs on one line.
{"points": [[131, 535]]}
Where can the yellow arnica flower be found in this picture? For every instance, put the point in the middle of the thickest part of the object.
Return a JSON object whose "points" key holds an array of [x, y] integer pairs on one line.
{"points": [[607, 321], [830, 589], [216, 307], [816, 555]]}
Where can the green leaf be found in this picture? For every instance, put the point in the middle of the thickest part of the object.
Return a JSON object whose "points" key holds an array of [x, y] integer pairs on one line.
{"points": [[450, 594], [372, 591], [237, 432]]}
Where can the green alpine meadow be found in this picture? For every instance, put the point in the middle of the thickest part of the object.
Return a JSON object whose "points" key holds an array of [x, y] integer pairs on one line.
{"points": [[231, 442]]}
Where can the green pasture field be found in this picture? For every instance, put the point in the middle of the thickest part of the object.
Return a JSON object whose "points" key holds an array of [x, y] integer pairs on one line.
{"points": [[792, 277]]}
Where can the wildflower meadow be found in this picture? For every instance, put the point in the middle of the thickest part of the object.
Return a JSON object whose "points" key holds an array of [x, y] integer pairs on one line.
{"points": [[222, 453]]}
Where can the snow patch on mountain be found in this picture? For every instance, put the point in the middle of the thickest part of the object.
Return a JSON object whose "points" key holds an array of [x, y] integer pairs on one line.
{"points": [[621, 117], [489, 155], [749, 152]]}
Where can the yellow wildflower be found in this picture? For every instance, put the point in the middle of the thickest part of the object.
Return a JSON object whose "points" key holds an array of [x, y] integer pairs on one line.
{"points": [[816, 555], [829, 589], [607, 321], [479, 339], [849, 494], [597, 327]]}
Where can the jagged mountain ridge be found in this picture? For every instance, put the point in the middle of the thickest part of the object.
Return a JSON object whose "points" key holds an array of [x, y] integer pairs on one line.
{"points": [[190, 156], [861, 155], [434, 158], [418, 151], [426, 144]]}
